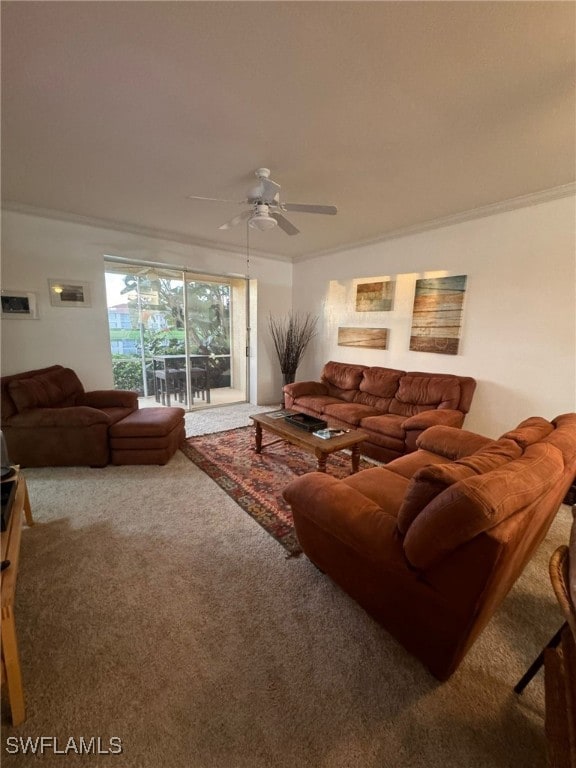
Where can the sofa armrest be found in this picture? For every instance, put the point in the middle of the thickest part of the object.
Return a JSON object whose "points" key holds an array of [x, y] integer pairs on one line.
{"points": [[301, 388], [63, 418], [450, 442], [415, 425], [348, 515], [109, 398], [445, 417]]}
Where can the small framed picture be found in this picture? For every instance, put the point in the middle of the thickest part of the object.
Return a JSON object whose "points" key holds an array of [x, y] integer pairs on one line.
{"points": [[69, 293], [19, 304]]}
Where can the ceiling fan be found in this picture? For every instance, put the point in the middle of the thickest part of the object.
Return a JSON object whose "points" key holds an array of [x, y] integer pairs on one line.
{"points": [[266, 209]]}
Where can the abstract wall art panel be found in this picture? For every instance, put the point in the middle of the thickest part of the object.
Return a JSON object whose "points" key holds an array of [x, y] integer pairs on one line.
{"points": [[376, 338], [375, 297], [437, 314]]}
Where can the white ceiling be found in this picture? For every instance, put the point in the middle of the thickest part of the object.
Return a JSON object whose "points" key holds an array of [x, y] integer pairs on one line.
{"points": [[396, 112]]}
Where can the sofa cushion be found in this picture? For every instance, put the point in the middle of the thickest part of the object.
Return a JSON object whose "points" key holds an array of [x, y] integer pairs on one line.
{"points": [[116, 414], [450, 442], [343, 375], [530, 431], [342, 380], [385, 424], [410, 463], [348, 516], [58, 388], [378, 387], [467, 508], [7, 405], [429, 481], [28, 393], [563, 436], [392, 446], [426, 484], [348, 413], [492, 456], [147, 422], [385, 488], [421, 392], [314, 403]]}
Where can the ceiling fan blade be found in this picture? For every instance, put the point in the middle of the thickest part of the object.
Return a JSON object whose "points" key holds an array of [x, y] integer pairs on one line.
{"points": [[213, 199], [237, 219], [330, 210], [284, 224], [269, 189]]}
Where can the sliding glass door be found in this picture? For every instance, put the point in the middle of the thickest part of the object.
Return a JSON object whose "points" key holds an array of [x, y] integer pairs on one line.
{"points": [[178, 338]]}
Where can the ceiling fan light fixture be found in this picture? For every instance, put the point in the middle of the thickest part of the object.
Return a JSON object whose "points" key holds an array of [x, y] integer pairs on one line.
{"points": [[262, 219], [262, 222]]}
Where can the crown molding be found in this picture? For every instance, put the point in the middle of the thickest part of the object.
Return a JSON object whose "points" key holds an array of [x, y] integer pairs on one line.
{"points": [[511, 204], [135, 229], [523, 201]]}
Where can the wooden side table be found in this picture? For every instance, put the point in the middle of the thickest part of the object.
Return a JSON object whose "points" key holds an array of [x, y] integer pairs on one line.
{"points": [[10, 538]]}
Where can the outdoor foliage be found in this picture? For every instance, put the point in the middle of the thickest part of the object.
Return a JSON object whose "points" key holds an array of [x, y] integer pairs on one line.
{"points": [[168, 297], [156, 310], [209, 317], [127, 373], [208, 314], [164, 342]]}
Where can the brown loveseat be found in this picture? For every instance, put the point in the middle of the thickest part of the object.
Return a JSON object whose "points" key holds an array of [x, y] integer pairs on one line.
{"points": [[49, 420], [392, 406], [431, 544]]}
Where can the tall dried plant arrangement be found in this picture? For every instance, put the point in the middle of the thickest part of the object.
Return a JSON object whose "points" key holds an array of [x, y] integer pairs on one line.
{"points": [[291, 335]]}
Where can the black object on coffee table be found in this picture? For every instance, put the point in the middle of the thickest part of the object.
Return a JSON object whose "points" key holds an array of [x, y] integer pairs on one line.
{"points": [[304, 421]]}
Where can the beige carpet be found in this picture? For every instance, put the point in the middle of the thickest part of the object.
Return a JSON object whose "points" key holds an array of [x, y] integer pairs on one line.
{"points": [[153, 609], [208, 420]]}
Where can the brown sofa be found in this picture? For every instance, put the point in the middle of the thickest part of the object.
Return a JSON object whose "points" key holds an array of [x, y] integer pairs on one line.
{"points": [[432, 543], [393, 407], [48, 419]]}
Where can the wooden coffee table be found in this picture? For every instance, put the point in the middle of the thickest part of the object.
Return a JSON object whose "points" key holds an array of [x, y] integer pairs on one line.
{"points": [[320, 448]]}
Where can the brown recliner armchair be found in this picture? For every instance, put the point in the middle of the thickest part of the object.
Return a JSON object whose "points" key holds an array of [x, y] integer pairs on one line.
{"points": [[432, 543], [48, 419]]}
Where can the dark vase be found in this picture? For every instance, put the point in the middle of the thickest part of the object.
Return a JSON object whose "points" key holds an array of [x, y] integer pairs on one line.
{"points": [[287, 378]]}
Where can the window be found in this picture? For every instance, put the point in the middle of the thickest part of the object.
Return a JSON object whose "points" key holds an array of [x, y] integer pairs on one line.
{"points": [[177, 337]]}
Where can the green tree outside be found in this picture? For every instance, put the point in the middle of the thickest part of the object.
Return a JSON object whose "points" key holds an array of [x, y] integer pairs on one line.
{"points": [[158, 322]]}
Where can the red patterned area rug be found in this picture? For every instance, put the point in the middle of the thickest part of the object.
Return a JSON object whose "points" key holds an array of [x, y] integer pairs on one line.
{"points": [[255, 481]]}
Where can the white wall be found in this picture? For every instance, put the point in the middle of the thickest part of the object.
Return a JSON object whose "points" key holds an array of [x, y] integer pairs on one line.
{"points": [[519, 327], [35, 249]]}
